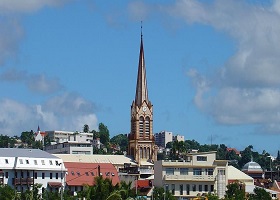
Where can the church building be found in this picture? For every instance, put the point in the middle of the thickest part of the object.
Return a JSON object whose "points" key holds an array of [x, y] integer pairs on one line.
{"points": [[141, 139]]}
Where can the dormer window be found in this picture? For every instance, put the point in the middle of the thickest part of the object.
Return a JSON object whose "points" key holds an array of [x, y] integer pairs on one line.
{"points": [[6, 161], [20, 161], [51, 162], [27, 162]]}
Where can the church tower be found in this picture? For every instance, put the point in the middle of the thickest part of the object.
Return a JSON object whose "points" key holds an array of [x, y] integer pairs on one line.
{"points": [[141, 139]]}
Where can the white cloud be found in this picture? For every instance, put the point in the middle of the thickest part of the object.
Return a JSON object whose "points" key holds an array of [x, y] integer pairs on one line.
{"points": [[19, 6], [37, 83], [70, 113], [247, 90]]}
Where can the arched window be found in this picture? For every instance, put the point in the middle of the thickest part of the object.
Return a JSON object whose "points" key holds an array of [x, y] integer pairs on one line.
{"points": [[141, 126], [147, 127], [149, 153]]}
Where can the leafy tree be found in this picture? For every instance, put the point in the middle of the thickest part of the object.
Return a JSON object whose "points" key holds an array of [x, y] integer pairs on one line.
{"points": [[211, 196], [169, 145], [235, 191], [7, 192], [104, 134], [192, 144], [121, 140], [27, 137], [260, 193], [86, 128], [159, 194]]}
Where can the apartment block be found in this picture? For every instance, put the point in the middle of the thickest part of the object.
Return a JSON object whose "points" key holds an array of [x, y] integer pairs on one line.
{"points": [[162, 138], [196, 175]]}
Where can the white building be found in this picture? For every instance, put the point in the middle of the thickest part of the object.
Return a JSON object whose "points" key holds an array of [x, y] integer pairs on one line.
{"points": [[178, 138], [162, 138], [65, 142], [65, 136], [70, 147], [22, 168], [197, 174]]}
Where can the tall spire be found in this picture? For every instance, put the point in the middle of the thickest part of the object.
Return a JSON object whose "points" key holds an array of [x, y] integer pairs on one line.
{"points": [[141, 87]]}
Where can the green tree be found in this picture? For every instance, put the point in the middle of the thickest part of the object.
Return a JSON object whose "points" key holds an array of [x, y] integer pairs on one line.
{"points": [[7, 192], [159, 194], [104, 134], [121, 140], [260, 193], [27, 137], [235, 191], [211, 196], [86, 128]]}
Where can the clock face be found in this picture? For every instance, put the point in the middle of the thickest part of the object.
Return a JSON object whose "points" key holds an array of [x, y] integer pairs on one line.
{"points": [[144, 108]]}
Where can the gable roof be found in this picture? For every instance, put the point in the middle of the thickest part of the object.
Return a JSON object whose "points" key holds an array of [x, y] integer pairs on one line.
{"points": [[18, 152], [80, 174]]}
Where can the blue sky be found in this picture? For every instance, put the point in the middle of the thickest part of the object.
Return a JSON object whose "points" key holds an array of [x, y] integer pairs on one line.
{"points": [[212, 67]]}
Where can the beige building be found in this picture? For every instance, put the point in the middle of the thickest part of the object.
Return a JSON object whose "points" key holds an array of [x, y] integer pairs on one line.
{"points": [[196, 175]]}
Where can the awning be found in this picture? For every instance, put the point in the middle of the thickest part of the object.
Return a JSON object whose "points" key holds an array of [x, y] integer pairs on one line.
{"points": [[55, 184]]}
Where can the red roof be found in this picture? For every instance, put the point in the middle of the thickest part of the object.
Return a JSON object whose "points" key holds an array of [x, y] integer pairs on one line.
{"points": [[234, 149], [84, 173], [143, 183]]}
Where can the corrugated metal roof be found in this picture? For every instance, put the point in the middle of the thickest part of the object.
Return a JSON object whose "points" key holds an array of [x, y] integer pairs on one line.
{"points": [[18, 152], [114, 159], [84, 173]]}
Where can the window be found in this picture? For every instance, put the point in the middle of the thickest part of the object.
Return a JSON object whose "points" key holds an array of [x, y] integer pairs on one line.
{"points": [[273, 195], [166, 187], [27, 174], [6, 161], [21, 174], [92, 173], [72, 173], [20, 161], [87, 174], [51, 162], [169, 171], [206, 188], [173, 189], [35, 162], [188, 189], [184, 171], [197, 171], [181, 189], [209, 171], [43, 162], [27, 162], [78, 173], [194, 188], [201, 158], [43, 175], [107, 173], [50, 175], [15, 174], [221, 172], [7, 174], [35, 175], [200, 188], [56, 163], [56, 175], [212, 188]]}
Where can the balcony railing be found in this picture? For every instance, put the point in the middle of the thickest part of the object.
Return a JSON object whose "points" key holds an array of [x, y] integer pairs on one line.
{"points": [[23, 181], [190, 177], [146, 171]]}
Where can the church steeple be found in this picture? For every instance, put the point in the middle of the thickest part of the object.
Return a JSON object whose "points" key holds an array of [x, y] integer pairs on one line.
{"points": [[141, 86]]}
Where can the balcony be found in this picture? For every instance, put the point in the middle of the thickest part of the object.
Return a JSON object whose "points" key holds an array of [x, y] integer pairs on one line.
{"points": [[23, 181], [146, 171], [189, 178]]}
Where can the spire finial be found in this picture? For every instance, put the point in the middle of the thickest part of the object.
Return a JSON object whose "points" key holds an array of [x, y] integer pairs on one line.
{"points": [[141, 30]]}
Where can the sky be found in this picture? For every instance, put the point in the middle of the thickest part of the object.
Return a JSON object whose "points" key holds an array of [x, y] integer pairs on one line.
{"points": [[213, 67]]}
